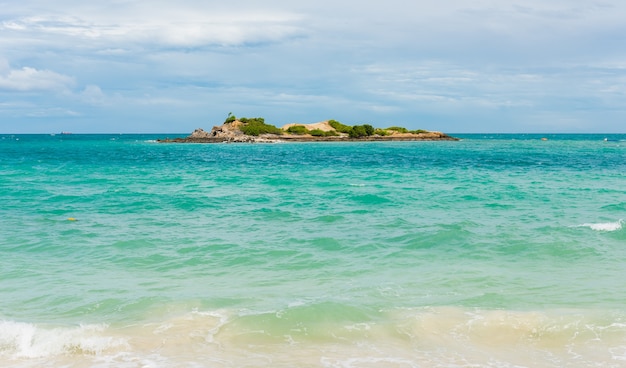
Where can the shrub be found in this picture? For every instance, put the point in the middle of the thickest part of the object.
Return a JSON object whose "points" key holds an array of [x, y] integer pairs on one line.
{"points": [[398, 129], [341, 128], [230, 118], [254, 130], [369, 130], [317, 133], [418, 131], [321, 133], [257, 126], [259, 121], [297, 129], [359, 131], [381, 132]]}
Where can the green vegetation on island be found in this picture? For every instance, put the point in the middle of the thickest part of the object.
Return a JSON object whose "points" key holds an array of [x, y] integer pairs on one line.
{"points": [[298, 129], [366, 130], [257, 126], [322, 133], [341, 128], [256, 130], [253, 126]]}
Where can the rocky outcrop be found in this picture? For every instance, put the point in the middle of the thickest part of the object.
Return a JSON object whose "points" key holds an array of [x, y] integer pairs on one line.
{"points": [[225, 133], [199, 134]]}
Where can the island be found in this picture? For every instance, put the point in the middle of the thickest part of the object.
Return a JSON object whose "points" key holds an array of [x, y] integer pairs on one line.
{"points": [[255, 130]]}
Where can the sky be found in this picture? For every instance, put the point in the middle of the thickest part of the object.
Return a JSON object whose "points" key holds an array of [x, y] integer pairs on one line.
{"points": [[139, 66]]}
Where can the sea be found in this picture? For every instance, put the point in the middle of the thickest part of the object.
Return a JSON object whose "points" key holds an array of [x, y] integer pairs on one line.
{"points": [[497, 250]]}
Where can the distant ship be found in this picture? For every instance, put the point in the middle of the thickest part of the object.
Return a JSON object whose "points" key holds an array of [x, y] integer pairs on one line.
{"points": [[66, 133]]}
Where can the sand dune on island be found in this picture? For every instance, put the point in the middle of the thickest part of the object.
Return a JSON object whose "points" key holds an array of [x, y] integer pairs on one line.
{"points": [[322, 125]]}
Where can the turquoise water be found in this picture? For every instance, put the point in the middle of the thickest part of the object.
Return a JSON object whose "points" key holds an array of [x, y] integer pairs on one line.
{"points": [[494, 251]]}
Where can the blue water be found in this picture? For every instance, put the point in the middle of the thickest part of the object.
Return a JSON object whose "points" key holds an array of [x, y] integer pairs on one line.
{"points": [[496, 250]]}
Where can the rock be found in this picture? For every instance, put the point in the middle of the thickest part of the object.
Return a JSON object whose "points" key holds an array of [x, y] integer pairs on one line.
{"points": [[199, 134]]}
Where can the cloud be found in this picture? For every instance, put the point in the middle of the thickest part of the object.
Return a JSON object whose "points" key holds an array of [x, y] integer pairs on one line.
{"points": [[360, 61], [29, 79], [169, 29]]}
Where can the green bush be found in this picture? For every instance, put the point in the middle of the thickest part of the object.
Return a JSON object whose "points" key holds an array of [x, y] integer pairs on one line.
{"points": [[321, 133], [381, 132], [360, 131], [398, 129], [259, 121], [341, 128], [254, 130], [230, 118], [297, 129], [257, 126], [418, 131], [369, 130], [317, 133]]}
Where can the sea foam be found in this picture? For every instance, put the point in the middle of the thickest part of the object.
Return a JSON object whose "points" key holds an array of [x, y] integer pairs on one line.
{"points": [[604, 226], [25, 340]]}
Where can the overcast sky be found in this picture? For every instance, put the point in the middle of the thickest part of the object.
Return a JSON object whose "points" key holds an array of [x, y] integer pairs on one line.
{"points": [[127, 66]]}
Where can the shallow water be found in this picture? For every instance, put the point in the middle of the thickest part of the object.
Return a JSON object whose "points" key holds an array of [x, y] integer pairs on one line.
{"points": [[502, 251]]}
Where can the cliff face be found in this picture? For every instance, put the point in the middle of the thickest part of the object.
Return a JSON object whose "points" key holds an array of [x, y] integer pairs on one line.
{"points": [[231, 132]]}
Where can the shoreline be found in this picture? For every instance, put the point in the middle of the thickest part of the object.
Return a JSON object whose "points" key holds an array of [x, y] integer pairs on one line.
{"points": [[303, 139], [416, 335]]}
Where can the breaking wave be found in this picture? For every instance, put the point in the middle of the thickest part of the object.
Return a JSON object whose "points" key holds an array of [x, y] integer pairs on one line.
{"points": [[27, 341], [604, 226]]}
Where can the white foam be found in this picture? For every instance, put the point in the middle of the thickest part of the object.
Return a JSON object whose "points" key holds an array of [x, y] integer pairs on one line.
{"points": [[204, 324], [604, 226], [25, 340]]}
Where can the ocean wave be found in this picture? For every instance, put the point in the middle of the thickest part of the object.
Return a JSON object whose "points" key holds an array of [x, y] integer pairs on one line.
{"points": [[604, 226], [19, 340], [328, 335]]}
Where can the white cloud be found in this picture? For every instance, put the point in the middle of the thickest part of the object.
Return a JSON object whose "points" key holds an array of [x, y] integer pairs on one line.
{"points": [[30, 79], [153, 29]]}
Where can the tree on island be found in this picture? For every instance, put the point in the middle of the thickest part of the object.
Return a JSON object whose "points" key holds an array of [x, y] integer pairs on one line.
{"points": [[231, 118]]}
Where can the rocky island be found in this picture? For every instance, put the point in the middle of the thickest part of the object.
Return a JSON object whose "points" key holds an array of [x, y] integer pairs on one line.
{"points": [[255, 130]]}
